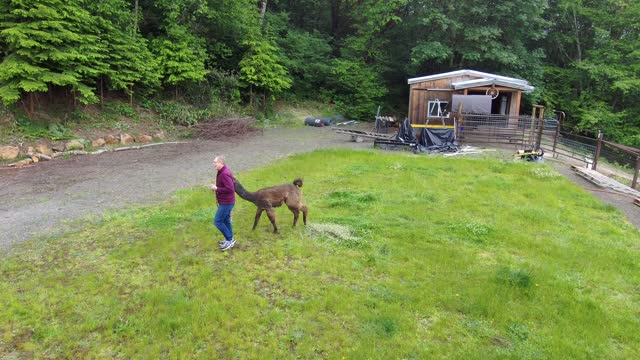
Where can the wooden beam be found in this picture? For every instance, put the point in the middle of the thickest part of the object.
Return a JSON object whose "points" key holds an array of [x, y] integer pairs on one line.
{"points": [[518, 96], [500, 88], [435, 89], [432, 126]]}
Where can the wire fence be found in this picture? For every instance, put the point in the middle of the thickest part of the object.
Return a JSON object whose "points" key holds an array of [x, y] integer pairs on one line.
{"points": [[551, 135]]}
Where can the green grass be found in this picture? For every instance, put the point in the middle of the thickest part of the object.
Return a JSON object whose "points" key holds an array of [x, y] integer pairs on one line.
{"points": [[404, 256]]}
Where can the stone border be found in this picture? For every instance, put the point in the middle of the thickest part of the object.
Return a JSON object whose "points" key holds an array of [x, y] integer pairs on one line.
{"points": [[35, 158]]}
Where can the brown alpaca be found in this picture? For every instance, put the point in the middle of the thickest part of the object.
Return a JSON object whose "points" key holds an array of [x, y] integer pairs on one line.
{"points": [[269, 198]]}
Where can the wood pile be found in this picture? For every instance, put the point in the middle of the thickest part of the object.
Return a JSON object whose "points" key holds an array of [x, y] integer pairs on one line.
{"points": [[607, 183]]}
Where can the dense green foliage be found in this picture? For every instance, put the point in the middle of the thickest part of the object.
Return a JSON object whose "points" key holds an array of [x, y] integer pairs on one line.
{"points": [[403, 257], [582, 56]]}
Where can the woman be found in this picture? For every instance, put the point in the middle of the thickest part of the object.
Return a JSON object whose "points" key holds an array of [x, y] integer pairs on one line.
{"points": [[226, 199]]}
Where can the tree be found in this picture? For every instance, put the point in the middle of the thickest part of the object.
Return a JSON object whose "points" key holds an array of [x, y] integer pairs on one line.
{"points": [[485, 35], [261, 69], [127, 57], [594, 71], [49, 43], [357, 89], [180, 56]]}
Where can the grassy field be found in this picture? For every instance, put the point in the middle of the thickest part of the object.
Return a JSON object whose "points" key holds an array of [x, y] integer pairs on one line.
{"points": [[404, 256]]}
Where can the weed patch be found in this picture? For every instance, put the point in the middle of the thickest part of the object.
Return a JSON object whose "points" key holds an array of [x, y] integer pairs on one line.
{"points": [[514, 277], [335, 234], [350, 199], [470, 231]]}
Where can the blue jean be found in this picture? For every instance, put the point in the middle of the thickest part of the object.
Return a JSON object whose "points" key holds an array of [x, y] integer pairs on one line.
{"points": [[222, 220]]}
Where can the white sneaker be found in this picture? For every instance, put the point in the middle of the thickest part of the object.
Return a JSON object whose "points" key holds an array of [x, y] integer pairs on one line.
{"points": [[228, 245]]}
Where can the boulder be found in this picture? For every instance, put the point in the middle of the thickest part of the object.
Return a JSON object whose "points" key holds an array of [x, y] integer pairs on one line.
{"points": [[9, 152], [99, 142], [57, 146], [110, 139], [74, 145], [144, 139], [44, 149], [160, 135], [126, 139]]}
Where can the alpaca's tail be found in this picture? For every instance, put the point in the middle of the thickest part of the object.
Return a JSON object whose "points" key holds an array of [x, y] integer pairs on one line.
{"points": [[297, 182]]}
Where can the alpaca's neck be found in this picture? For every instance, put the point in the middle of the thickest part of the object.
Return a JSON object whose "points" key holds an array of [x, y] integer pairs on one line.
{"points": [[243, 193]]}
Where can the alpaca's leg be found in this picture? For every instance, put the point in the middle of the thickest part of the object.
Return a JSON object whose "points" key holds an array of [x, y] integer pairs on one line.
{"points": [[304, 213], [271, 213], [296, 213], [258, 213]]}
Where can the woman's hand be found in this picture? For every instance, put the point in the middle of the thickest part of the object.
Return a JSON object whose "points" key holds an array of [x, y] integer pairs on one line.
{"points": [[213, 187]]}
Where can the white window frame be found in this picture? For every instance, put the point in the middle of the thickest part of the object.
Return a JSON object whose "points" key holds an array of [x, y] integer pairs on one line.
{"points": [[443, 109]]}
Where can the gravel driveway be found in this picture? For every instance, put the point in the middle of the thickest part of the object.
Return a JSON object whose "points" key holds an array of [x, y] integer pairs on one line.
{"points": [[46, 199]]}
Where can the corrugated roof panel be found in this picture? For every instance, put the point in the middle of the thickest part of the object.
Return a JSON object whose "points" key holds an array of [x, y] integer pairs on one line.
{"points": [[468, 72]]}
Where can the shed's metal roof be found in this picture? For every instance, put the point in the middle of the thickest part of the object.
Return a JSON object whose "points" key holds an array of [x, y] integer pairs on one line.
{"points": [[488, 82], [485, 79]]}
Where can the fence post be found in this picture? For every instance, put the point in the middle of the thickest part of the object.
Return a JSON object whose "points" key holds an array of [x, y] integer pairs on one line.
{"points": [[555, 137], [598, 148], [533, 117], [634, 183], [540, 129]]}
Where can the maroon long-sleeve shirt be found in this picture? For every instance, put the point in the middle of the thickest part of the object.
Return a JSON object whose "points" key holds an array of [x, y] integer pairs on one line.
{"points": [[226, 193]]}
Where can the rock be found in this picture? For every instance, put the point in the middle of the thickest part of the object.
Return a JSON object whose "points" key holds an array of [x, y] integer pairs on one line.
{"points": [[144, 139], [74, 145], [9, 152], [31, 150], [58, 146], [110, 139], [99, 142], [44, 149], [126, 139], [160, 135]]}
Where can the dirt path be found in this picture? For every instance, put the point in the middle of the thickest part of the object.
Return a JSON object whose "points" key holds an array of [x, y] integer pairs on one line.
{"points": [[623, 203], [46, 199], [49, 198]]}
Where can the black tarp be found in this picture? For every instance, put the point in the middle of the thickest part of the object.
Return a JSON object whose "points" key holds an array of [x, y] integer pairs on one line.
{"points": [[437, 140], [406, 133], [317, 121], [323, 121]]}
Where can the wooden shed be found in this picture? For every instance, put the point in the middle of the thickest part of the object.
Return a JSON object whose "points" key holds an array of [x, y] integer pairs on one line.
{"points": [[437, 96]]}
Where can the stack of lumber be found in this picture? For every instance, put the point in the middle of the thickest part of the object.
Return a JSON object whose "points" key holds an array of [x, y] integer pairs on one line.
{"points": [[607, 182]]}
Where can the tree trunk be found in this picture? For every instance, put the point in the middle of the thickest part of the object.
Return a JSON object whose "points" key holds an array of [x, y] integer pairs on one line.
{"points": [[135, 17], [335, 18], [576, 28], [31, 105], [101, 92], [263, 10]]}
